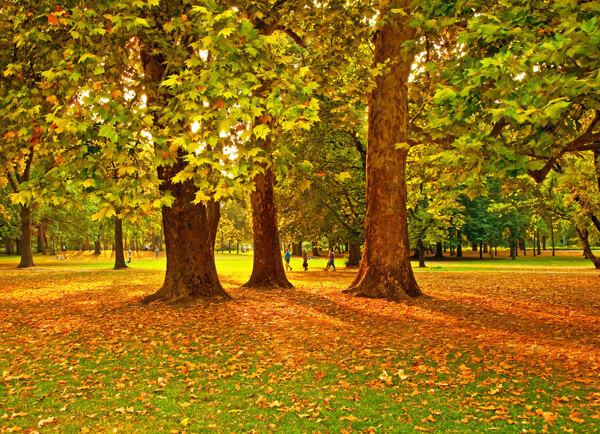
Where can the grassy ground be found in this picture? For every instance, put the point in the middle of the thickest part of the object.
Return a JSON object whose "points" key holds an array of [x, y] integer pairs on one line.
{"points": [[510, 346], [242, 263]]}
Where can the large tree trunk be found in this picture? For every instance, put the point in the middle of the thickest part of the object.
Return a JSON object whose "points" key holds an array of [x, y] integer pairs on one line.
{"points": [[353, 254], [119, 254], [189, 229], [267, 266], [189, 240], [385, 270], [587, 250], [25, 243]]}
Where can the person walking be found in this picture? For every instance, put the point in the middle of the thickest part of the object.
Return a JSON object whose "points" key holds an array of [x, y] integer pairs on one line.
{"points": [[129, 256], [287, 256], [304, 259], [156, 252], [330, 259]]}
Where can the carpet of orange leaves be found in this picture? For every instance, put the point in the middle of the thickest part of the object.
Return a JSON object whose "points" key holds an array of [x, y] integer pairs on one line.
{"points": [[506, 323]]}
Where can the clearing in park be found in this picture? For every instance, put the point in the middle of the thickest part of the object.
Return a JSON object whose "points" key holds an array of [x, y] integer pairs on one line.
{"points": [[498, 345]]}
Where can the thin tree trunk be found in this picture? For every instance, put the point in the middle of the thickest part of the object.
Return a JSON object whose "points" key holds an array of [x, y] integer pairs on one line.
{"points": [[385, 270], [41, 239], [480, 249], [459, 245], [315, 249], [297, 249], [534, 249], [354, 254], [119, 254], [421, 254], [439, 253], [587, 250], [9, 248], [539, 246], [267, 266], [97, 246], [25, 244], [552, 237]]}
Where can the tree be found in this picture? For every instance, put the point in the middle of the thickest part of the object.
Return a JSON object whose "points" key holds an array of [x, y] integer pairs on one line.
{"points": [[518, 87], [385, 270], [322, 193]]}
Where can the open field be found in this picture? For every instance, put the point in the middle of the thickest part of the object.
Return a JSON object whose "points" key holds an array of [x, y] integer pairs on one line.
{"points": [[242, 263], [500, 345]]}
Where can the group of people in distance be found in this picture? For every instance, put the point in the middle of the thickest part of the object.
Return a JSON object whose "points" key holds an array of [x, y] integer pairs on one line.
{"points": [[330, 259]]}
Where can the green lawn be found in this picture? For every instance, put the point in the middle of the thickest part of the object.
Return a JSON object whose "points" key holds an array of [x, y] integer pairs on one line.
{"points": [[242, 263], [496, 347]]}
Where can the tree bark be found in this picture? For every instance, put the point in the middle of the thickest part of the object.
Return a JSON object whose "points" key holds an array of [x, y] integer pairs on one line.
{"points": [[41, 239], [213, 209], [544, 238], [353, 254], [267, 265], [587, 250], [539, 246], [297, 249], [315, 249], [385, 270], [119, 254], [97, 246], [189, 239], [439, 253], [421, 251], [552, 237], [25, 242], [459, 245], [480, 249]]}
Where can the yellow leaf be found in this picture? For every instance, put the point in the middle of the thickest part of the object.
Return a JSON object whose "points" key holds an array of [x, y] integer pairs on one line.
{"points": [[47, 421], [185, 421]]}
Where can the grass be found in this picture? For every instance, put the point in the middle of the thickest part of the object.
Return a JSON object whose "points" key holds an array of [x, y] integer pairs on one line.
{"points": [[497, 348], [228, 263]]}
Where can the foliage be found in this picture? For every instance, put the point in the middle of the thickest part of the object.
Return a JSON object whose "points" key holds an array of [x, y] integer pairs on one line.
{"points": [[258, 363]]}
